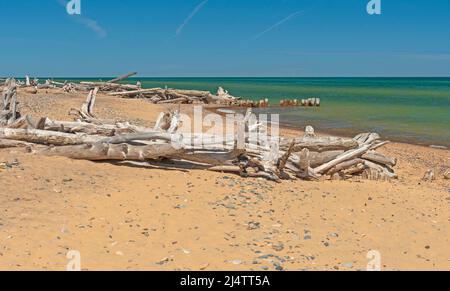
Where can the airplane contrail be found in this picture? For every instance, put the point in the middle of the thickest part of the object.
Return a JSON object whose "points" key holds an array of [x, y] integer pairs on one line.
{"points": [[278, 24], [189, 18], [89, 23]]}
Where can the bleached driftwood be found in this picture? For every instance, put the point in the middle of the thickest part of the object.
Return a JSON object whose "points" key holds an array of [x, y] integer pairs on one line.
{"points": [[318, 159], [342, 158], [166, 96], [105, 151], [378, 172], [9, 112], [87, 128], [378, 158], [322, 144], [306, 172], [367, 138], [344, 166], [121, 78], [105, 86], [4, 144], [86, 112], [308, 158], [46, 137], [27, 81]]}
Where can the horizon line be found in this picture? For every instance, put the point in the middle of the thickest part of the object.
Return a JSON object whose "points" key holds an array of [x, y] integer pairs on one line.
{"points": [[215, 77]]}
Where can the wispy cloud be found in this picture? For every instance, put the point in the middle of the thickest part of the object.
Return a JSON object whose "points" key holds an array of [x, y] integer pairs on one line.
{"points": [[89, 23], [92, 25], [189, 18], [278, 24]]}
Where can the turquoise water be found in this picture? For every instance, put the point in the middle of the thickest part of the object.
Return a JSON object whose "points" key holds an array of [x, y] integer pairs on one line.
{"points": [[401, 109]]}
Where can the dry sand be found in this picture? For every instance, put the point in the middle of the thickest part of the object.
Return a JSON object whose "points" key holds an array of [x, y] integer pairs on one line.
{"points": [[134, 218]]}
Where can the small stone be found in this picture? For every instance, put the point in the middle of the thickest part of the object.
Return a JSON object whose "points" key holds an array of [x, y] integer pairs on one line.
{"points": [[307, 235], [447, 175], [278, 247], [64, 230], [204, 267], [429, 176], [236, 262], [254, 225], [348, 265], [278, 267], [163, 261]]}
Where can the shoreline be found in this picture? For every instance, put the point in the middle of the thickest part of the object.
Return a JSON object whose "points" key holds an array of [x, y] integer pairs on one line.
{"points": [[297, 129]]}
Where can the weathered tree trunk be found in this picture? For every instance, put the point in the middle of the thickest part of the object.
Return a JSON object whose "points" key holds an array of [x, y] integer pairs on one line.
{"points": [[121, 78], [84, 127], [367, 138], [104, 151], [322, 144], [383, 172], [174, 101], [46, 137], [380, 159], [344, 166], [4, 144], [342, 158], [318, 159], [104, 86], [86, 113]]}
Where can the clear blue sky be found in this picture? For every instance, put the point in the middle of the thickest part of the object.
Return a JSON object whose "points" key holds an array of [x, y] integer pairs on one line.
{"points": [[226, 38]]}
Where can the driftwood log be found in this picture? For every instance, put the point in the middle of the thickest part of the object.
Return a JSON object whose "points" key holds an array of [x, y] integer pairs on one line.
{"points": [[121, 78], [105, 86]]}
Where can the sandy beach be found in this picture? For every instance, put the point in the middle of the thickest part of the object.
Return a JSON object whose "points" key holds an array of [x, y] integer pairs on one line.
{"points": [[134, 218]]}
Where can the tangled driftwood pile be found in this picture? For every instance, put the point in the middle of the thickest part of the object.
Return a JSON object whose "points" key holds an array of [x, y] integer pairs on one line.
{"points": [[174, 96], [155, 95], [89, 138]]}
